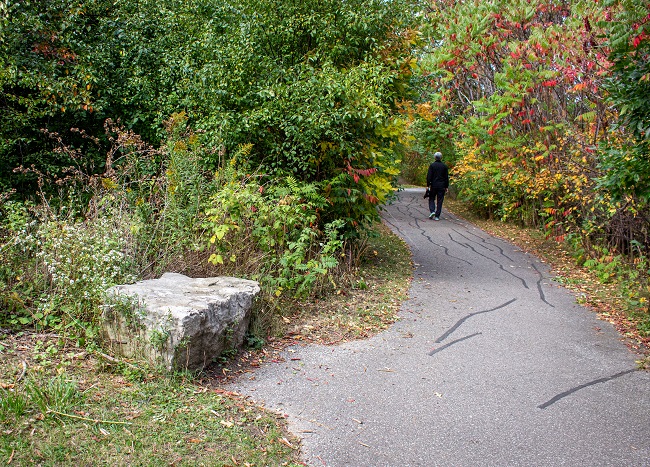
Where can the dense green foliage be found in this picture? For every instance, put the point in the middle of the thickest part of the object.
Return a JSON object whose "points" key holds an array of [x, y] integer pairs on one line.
{"points": [[44, 84], [271, 229], [626, 161], [311, 85]]}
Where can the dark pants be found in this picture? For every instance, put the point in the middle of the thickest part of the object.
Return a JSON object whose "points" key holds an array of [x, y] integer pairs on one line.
{"points": [[436, 197]]}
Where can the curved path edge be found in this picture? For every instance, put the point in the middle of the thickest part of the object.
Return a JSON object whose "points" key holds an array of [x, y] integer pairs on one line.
{"points": [[491, 363]]}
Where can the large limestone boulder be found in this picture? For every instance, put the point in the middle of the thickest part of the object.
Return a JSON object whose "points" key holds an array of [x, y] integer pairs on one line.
{"points": [[183, 322]]}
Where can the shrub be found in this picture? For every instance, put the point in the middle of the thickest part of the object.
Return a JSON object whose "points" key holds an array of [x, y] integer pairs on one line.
{"points": [[271, 232]]}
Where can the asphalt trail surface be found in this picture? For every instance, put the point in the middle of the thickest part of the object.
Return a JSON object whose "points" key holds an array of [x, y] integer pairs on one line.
{"points": [[491, 363]]}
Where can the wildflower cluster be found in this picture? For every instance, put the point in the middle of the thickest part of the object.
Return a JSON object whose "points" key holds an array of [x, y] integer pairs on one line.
{"points": [[61, 268], [84, 258]]}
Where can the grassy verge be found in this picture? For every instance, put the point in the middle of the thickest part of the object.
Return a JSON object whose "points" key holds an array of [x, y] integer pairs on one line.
{"points": [[604, 298], [63, 405]]}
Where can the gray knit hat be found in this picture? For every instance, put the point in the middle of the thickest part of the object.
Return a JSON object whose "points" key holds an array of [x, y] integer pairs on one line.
{"points": [[438, 155]]}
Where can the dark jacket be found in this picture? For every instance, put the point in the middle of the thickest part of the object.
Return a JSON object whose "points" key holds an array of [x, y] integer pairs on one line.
{"points": [[438, 176]]}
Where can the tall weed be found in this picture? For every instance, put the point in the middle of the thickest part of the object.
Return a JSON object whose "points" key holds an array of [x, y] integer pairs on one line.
{"points": [[58, 394], [137, 219], [12, 403]]}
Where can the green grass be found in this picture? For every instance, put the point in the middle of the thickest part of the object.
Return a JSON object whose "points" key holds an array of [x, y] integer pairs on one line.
{"points": [[73, 410]]}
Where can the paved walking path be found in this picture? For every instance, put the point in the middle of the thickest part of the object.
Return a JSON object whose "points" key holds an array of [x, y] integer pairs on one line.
{"points": [[491, 364]]}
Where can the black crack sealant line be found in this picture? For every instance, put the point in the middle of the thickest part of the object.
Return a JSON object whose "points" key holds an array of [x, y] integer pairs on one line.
{"points": [[539, 286], [582, 386], [466, 245], [440, 349], [428, 237], [415, 213], [407, 215], [462, 320], [473, 241], [397, 230], [487, 243]]}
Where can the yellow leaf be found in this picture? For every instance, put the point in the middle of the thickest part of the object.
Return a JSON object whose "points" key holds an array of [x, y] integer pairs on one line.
{"points": [[215, 259], [109, 184]]}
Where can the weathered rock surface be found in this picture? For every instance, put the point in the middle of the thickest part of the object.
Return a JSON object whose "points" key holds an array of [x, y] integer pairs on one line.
{"points": [[183, 322]]}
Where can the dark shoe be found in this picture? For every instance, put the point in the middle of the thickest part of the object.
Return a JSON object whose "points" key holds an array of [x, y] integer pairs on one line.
{"points": [[431, 215]]}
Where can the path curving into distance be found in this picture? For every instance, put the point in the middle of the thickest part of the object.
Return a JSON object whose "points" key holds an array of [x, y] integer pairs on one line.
{"points": [[490, 364]]}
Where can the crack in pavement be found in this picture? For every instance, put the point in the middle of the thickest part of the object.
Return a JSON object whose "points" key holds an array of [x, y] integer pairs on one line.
{"points": [[439, 349], [523, 281], [486, 242], [539, 286], [473, 241], [425, 235], [582, 386], [462, 320]]}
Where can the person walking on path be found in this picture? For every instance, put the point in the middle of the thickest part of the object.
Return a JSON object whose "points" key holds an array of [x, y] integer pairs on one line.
{"points": [[437, 183]]}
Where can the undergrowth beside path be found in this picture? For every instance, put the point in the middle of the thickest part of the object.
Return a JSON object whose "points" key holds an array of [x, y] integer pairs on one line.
{"points": [[61, 404]]}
